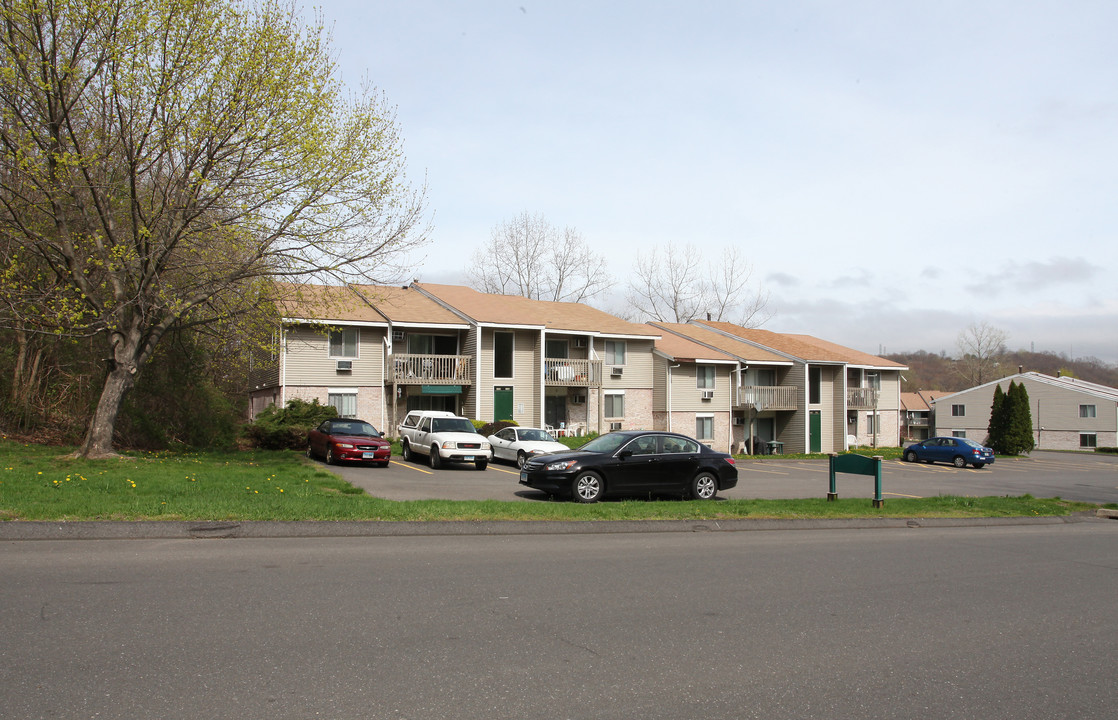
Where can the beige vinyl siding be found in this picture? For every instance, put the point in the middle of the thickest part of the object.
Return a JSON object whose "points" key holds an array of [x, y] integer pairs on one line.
{"points": [[833, 431], [638, 365], [687, 396], [527, 360], [791, 427], [307, 358], [660, 372]]}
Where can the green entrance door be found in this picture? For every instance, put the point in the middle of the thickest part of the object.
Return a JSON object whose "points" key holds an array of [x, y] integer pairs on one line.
{"points": [[502, 403], [815, 431]]}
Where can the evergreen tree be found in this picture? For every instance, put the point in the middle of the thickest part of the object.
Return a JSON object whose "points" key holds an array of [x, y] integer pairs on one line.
{"points": [[995, 436], [1019, 425]]}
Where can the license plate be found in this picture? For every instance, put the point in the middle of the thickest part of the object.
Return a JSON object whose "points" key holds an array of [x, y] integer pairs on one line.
{"points": [[468, 458], [368, 455], [523, 476]]}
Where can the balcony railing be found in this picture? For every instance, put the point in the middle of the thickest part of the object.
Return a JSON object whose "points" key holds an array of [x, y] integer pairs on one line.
{"points": [[431, 369], [861, 398], [917, 422], [767, 397], [572, 372]]}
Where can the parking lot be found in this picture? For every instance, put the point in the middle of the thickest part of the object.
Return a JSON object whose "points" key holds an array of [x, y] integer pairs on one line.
{"points": [[1072, 476]]}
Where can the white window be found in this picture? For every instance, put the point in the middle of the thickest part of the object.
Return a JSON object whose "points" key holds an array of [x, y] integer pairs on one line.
{"points": [[1086, 411], [1088, 440], [873, 380], [343, 343], [615, 404], [958, 411], [704, 427], [614, 352], [502, 354], [344, 400], [870, 421], [704, 377], [959, 433]]}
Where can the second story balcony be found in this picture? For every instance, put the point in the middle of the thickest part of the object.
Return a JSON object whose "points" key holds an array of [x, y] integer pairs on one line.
{"points": [[861, 398], [572, 372], [767, 397], [430, 369]]}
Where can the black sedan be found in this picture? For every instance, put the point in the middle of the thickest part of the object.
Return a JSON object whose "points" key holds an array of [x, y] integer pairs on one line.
{"points": [[632, 462], [341, 439], [958, 451]]}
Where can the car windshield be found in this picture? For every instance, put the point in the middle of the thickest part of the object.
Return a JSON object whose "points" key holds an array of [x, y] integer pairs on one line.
{"points": [[535, 435], [355, 427], [605, 443], [452, 425]]}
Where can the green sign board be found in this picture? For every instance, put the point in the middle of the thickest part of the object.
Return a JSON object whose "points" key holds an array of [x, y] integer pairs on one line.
{"points": [[440, 389]]}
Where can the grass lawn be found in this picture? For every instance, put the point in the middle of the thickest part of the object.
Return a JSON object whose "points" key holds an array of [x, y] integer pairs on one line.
{"points": [[39, 483]]}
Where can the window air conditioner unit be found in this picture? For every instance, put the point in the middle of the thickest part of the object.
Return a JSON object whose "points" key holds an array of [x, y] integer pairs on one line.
{"points": [[708, 394], [397, 335], [578, 399], [614, 426], [343, 365], [739, 421], [616, 371], [580, 342]]}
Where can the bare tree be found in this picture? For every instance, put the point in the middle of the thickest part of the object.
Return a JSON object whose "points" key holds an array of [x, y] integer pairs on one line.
{"points": [[162, 163], [528, 256], [675, 284], [980, 346]]}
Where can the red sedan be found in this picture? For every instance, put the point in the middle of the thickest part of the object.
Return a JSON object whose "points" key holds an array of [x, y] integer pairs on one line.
{"points": [[341, 439]]}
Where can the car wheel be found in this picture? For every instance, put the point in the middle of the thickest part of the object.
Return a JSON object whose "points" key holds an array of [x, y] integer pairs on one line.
{"points": [[704, 487], [406, 452], [521, 458], [310, 453], [481, 464], [434, 459], [979, 466], [910, 456], [960, 461], [330, 459], [587, 487]]}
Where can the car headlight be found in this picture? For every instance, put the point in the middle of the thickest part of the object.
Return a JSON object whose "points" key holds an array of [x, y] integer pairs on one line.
{"points": [[485, 446], [343, 445], [562, 465], [449, 445]]}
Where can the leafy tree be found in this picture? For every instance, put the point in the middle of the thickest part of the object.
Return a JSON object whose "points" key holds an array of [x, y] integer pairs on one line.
{"points": [[164, 161], [530, 257], [996, 431], [675, 284]]}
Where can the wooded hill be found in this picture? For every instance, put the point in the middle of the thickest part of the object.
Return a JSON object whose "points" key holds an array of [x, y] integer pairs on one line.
{"points": [[928, 371]]}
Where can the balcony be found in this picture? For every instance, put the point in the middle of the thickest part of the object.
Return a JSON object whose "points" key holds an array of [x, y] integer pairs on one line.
{"points": [[768, 397], [430, 369], [861, 398], [572, 373]]}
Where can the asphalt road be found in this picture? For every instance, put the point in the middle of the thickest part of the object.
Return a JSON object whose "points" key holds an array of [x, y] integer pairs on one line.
{"points": [[1016, 622], [1072, 476]]}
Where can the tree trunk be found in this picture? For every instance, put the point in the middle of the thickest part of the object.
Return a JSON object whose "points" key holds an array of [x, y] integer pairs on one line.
{"points": [[99, 437], [123, 365]]}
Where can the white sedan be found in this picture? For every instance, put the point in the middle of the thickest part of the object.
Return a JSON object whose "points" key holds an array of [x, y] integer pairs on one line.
{"points": [[517, 444]]}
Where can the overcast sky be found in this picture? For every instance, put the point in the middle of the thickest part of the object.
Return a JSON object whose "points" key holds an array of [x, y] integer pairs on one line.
{"points": [[895, 171]]}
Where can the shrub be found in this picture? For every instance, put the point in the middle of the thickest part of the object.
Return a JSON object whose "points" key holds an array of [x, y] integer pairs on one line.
{"points": [[488, 429], [286, 428]]}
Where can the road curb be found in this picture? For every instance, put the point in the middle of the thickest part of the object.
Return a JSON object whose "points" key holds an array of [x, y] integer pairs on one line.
{"points": [[121, 530]]}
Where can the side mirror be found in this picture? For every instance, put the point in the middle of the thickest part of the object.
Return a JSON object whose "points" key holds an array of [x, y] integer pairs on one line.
{"points": [[624, 454]]}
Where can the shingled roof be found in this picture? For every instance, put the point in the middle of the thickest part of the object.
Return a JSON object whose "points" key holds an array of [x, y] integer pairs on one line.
{"points": [[731, 347], [805, 347], [494, 309]]}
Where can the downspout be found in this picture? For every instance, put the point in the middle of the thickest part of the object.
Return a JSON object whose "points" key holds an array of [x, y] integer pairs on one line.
{"points": [[283, 366], [669, 397], [541, 379], [389, 367]]}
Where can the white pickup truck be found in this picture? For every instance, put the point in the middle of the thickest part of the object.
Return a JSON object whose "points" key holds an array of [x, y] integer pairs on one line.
{"points": [[443, 437]]}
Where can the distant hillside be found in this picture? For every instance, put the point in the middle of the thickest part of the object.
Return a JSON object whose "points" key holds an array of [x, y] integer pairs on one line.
{"points": [[928, 371]]}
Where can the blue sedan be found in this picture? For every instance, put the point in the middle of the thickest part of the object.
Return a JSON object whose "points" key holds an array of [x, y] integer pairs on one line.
{"points": [[958, 451]]}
